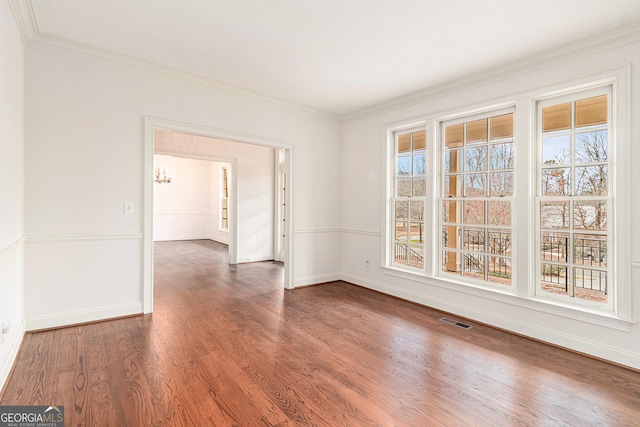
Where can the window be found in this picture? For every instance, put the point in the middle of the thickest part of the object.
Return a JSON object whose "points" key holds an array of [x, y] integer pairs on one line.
{"points": [[224, 200], [477, 190], [573, 208], [409, 190], [529, 204]]}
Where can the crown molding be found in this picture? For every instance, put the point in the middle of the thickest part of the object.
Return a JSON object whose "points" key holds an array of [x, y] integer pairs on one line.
{"points": [[62, 46], [25, 17], [540, 60]]}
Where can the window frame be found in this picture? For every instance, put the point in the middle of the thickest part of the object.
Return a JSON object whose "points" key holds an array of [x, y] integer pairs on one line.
{"points": [[441, 199], [571, 96]]}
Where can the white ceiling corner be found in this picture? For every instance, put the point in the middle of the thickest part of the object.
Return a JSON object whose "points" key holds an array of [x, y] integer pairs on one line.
{"points": [[336, 56]]}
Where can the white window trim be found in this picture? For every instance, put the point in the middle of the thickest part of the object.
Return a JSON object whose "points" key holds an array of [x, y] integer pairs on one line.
{"points": [[525, 105]]}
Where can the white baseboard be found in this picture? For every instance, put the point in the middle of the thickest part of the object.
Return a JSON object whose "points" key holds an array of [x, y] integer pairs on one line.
{"points": [[554, 337], [7, 363], [256, 258], [314, 280], [178, 238], [76, 317]]}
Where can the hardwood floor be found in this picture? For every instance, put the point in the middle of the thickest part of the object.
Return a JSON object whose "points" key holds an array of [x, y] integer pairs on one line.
{"points": [[227, 345]]}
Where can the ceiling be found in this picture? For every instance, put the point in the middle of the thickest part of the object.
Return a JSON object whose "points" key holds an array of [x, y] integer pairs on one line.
{"points": [[338, 56]]}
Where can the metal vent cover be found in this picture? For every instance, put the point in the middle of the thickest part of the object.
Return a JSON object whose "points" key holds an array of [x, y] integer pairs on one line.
{"points": [[455, 323]]}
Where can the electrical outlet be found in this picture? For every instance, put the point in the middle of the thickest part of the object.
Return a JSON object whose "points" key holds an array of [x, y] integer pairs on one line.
{"points": [[367, 264], [128, 208]]}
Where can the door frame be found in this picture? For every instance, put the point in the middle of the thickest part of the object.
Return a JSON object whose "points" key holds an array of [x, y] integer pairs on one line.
{"points": [[152, 123]]}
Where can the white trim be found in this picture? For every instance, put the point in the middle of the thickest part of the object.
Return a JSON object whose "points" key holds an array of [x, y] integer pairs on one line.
{"points": [[13, 247], [373, 233], [317, 230], [25, 17], [314, 280], [185, 213], [81, 237], [544, 59], [522, 327], [82, 316], [61, 46], [7, 364], [635, 263], [183, 238]]}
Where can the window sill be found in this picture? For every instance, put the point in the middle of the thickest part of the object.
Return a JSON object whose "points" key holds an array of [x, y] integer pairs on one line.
{"points": [[604, 319]]}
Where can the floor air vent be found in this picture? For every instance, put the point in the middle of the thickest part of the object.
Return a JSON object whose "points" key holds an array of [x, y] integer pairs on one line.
{"points": [[455, 323]]}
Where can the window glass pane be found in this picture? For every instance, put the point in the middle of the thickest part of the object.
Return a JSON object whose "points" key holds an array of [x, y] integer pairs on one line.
{"points": [[419, 164], [554, 246], [499, 213], [449, 211], [502, 127], [499, 269], [404, 143], [473, 239], [417, 210], [591, 180], [450, 262], [404, 165], [590, 215], [402, 231], [404, 187], [590, 250], [454, 136], [555, 182], [556, 150], [500, 242], [416, 235], [553, 278], [476, 159], [591, 111], [502, 156], [402, 210], [474, 211], [556, 117], [453, 161], [592, 147], [453, 186], [476, 185], [590, 284], [554, 215], [477, 131], [501, 183], [474, 265], [419, 140], [419, 187]]}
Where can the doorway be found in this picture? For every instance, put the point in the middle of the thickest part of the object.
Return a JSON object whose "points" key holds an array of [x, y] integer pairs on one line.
{"points": [[240, 237]]}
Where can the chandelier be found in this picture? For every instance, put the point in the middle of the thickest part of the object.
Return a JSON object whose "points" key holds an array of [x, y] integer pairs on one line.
{"points": [[162, 176]]}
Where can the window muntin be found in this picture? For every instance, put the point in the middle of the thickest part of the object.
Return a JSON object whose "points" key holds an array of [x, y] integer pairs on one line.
{"points": [[574, 198], [408, 243], [477, 187]]}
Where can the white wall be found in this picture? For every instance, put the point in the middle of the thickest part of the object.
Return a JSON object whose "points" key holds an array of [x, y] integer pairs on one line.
{"points": [[11, 188], [84, 158], [253, 177], [363, 166], [188, 208]]}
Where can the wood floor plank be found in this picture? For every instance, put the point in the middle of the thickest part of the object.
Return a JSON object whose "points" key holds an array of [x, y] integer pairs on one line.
{"points": [[228, 346]]}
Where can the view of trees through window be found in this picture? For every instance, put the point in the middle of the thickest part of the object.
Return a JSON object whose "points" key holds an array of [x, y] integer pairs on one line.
{"points": [[410, 190], [477, 187], [574, 190]]}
